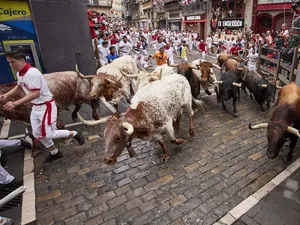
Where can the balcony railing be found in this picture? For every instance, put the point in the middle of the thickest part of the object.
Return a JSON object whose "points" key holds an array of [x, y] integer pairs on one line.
{"points": [[172, 5], [195, 7], [106, 3]]}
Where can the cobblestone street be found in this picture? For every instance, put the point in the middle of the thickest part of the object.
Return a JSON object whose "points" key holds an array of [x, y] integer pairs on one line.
{"points": [[203, 179]]}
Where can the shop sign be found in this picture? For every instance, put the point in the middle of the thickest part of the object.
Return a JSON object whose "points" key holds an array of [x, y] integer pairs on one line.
{"points": [[14, 10], [230, 23], [187, 18], [260, 2]]}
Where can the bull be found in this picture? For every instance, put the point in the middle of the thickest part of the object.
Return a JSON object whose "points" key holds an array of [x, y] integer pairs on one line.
{"points": [[151, 113], [198, 74], [110, 83], [229, 89], [259, 87], [284, 123], [143, 77]]}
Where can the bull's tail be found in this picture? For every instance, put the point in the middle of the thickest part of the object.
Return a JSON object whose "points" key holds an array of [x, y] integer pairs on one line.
{"points": [[198, 103]]}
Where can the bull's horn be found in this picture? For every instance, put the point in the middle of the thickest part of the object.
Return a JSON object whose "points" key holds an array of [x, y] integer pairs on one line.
{"points": [[171, 65], [153, 78], [140, 68], [81, 75], [91, 123], [236, 84], [278, 87], [128, 128], [264, 85], [258, 126], [216, 66], [128, 75], [218, 82], [293, 130]]}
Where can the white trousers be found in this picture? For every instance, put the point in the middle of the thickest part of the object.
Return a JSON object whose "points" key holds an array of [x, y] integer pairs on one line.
{"points": [[202, 55], [36, 118], [5, 177], [171, 60], [9, 143]]}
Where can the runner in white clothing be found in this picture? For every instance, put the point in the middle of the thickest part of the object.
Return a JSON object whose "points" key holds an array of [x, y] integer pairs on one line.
{"points": [[124, 47], [44, 112]]}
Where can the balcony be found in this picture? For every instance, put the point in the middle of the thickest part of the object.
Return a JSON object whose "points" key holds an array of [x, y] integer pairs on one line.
{"points": [[105, 3], [195, 8], [172, 5], [158, 8]]}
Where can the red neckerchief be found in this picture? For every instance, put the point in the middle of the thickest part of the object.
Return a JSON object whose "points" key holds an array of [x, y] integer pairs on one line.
{"points": [[167, 47], [112, 53], [23, 71]]}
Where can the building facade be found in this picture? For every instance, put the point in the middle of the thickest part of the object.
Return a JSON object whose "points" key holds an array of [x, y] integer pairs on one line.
{"points": [[270, 15], [100, 6]]}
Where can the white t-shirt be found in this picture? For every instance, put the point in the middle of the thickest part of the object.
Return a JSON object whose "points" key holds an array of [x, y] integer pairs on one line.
{"points": [[209, 41], [34, 80], [103, 53], [127, 47], [169, 52]]}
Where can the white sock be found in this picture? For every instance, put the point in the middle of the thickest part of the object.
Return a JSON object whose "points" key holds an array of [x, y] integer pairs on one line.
{"points": [[74, 133], [54, 152]]}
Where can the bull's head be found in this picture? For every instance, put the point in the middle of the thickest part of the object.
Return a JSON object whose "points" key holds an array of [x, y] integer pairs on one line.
{"points": [[99, 83], [183, 68], [270, 92], [117, 134], [225, 89], [276, 136], [206, 69]]}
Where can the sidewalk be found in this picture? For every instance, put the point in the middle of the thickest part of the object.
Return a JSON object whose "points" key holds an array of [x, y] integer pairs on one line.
{"points": [[279, 207]]}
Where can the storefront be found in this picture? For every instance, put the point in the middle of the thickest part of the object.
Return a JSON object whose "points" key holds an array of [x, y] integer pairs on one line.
{"points": [[174, 21], [47, 33], [270, 16], [195, 24]]}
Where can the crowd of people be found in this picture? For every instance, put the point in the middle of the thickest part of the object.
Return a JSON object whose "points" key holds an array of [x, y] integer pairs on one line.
{"points": [[119, 40]]}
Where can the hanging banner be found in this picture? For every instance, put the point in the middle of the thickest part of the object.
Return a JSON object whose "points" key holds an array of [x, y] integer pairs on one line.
{"points": [[230, 23]]}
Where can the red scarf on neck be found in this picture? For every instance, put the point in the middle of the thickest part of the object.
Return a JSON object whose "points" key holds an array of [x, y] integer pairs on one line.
{"points": [[23, 71]]}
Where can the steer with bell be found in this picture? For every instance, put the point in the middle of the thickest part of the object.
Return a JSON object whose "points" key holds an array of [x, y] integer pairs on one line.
{"points": [[152, 112], [284, 123]]}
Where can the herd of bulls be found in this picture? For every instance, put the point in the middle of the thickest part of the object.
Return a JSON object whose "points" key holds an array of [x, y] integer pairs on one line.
{"points": [[156, 106]]}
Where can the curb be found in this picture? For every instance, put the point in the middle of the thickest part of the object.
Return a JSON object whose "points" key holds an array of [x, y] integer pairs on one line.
{"points": [[253, 199]]}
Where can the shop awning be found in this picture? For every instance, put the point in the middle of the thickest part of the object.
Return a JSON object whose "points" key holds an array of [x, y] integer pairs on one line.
{"points": [[195, 21]]}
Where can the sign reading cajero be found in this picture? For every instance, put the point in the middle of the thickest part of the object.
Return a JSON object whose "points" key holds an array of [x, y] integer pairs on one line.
{"points": [[230, 23], [14, 10], [187, 18]]}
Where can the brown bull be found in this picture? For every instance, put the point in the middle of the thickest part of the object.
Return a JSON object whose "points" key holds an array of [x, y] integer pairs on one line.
{"points": [[284, 123]]}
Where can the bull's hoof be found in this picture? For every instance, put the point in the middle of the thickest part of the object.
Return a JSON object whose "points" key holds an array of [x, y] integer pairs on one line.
{"points": [[192, 133], [131, 152], [236, 114], [165, 157], [177, 141], [208, 92]]}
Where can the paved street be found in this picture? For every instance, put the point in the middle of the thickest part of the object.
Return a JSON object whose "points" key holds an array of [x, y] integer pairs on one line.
{"points": [[203, 179], [280, 207]]}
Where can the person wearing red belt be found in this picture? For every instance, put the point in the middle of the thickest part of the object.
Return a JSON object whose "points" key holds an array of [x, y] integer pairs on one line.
{"points": [[44, 111]]}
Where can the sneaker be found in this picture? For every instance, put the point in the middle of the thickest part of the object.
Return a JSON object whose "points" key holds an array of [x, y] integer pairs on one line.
{"points": [[51, 157], [6, 221], [79, 138], [3, 186], [25, 144]]}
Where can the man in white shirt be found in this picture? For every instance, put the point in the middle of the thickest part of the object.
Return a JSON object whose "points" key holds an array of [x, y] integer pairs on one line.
{"points": [[44, 111], [124, 46], [103, 53], [208, 43]]}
